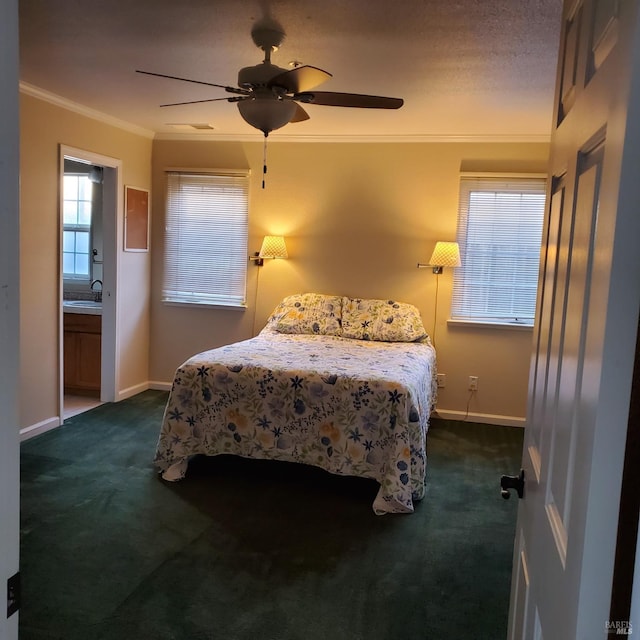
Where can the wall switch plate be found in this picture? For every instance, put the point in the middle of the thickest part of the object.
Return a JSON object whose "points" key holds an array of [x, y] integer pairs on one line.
{"points": [[441, 380], [13, 594], [473, 383]]}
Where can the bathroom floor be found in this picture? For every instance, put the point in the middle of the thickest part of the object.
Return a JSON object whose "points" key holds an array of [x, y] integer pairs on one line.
{"points": [[73, 405]]}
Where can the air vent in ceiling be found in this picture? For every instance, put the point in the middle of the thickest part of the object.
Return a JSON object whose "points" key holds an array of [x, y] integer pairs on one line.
{"points": [[191, 126]]}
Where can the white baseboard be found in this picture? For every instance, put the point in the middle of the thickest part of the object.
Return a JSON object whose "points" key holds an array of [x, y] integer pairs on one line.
{"points": [[132, 391], [40, 428], [160, 386], [483, 418]]}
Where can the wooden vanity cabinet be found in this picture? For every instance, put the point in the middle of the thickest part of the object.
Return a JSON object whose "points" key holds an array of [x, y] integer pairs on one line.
{"points": [[82, 354]]}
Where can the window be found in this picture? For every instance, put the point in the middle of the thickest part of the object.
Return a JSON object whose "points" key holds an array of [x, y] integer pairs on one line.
{"points": [[206, 238], [76, 197], [499, 232]]}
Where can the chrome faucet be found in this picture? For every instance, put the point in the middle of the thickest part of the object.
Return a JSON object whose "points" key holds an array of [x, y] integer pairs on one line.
{"points": [[98, 294]]}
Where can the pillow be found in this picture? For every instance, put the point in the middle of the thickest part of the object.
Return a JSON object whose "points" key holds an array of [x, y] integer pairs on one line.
{"points": [[381, 320], [308, 313]]}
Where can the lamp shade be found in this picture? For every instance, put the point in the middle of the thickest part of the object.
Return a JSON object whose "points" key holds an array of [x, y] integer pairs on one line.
{"points": [[273, 247], [445, 254]]}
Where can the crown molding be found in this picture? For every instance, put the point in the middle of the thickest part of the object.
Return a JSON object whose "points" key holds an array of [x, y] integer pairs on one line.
{"points": [[59, 101], [377, 138]]}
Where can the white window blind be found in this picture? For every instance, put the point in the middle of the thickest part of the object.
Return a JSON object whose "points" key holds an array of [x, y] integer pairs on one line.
{"points": [[206, 238], [499, 233]]}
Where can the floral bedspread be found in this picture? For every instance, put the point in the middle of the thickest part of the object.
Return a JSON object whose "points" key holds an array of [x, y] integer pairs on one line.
{"points": [[351, 407]]}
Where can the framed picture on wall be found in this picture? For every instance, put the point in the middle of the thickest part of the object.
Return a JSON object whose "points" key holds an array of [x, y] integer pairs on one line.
{"points": [[136, 219]]}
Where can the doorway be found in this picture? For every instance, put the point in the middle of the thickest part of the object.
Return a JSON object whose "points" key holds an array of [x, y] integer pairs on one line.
{"points": [[89, 188]]}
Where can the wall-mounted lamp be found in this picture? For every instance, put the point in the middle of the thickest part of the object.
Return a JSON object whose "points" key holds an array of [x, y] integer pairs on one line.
{"points": [[445, 254], [272, 247]]}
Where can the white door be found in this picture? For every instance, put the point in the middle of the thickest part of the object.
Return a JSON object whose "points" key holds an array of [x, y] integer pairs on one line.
{"points": [[585, 335], [9, 316]]}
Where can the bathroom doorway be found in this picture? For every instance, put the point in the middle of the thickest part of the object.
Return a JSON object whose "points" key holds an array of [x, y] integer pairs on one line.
{"points": [[89, 205]]}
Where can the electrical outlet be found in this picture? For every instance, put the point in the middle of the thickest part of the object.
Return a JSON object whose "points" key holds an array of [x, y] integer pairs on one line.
{"points": [[441, 379], [473, 383]]}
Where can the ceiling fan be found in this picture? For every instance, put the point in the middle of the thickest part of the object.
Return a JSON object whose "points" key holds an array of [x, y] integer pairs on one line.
{"points": [[269, 97]]}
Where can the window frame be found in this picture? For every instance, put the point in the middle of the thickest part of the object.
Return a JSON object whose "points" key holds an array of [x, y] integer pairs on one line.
{"points": [[487, 320], [174, 296]]}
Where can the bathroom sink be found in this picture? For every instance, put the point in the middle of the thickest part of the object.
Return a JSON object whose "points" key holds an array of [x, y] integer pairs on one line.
{"points": [[90, 307], [83, 303]]}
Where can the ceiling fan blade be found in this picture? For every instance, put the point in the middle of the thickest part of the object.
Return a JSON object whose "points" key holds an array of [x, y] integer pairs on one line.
{"points": [[333, 99], [300, 115], [208, 84], [300, 79], [232, 99]]}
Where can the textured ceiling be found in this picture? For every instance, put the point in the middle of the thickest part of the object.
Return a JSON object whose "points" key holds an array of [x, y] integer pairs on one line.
{"points": [[465, 68]]}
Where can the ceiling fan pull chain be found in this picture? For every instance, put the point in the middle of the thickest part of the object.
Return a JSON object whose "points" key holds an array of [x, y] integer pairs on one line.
{"points": [[264, 160]]}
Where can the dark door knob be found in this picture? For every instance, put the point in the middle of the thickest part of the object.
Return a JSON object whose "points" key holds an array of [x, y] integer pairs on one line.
{"points": [[512, 482]]}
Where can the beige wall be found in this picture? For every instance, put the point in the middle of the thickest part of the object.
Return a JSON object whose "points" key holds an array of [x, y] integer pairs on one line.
{"points": [[357, 218], [43, 128]]}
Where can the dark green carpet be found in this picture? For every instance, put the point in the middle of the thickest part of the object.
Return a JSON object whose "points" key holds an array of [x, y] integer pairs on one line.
{"points": [[255, 550]]}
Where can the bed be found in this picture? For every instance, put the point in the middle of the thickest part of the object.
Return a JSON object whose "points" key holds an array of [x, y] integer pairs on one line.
{"points": [[340, 383]]}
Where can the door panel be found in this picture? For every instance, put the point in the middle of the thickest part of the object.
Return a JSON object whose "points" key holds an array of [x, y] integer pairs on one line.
{"points": [[563, 439], [541, 368], [604, 34], [569, 59], [521, 580]]}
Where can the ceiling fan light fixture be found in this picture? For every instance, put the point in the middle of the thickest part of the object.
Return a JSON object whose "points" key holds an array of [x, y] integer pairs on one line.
{"points": [[267, 114]]}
